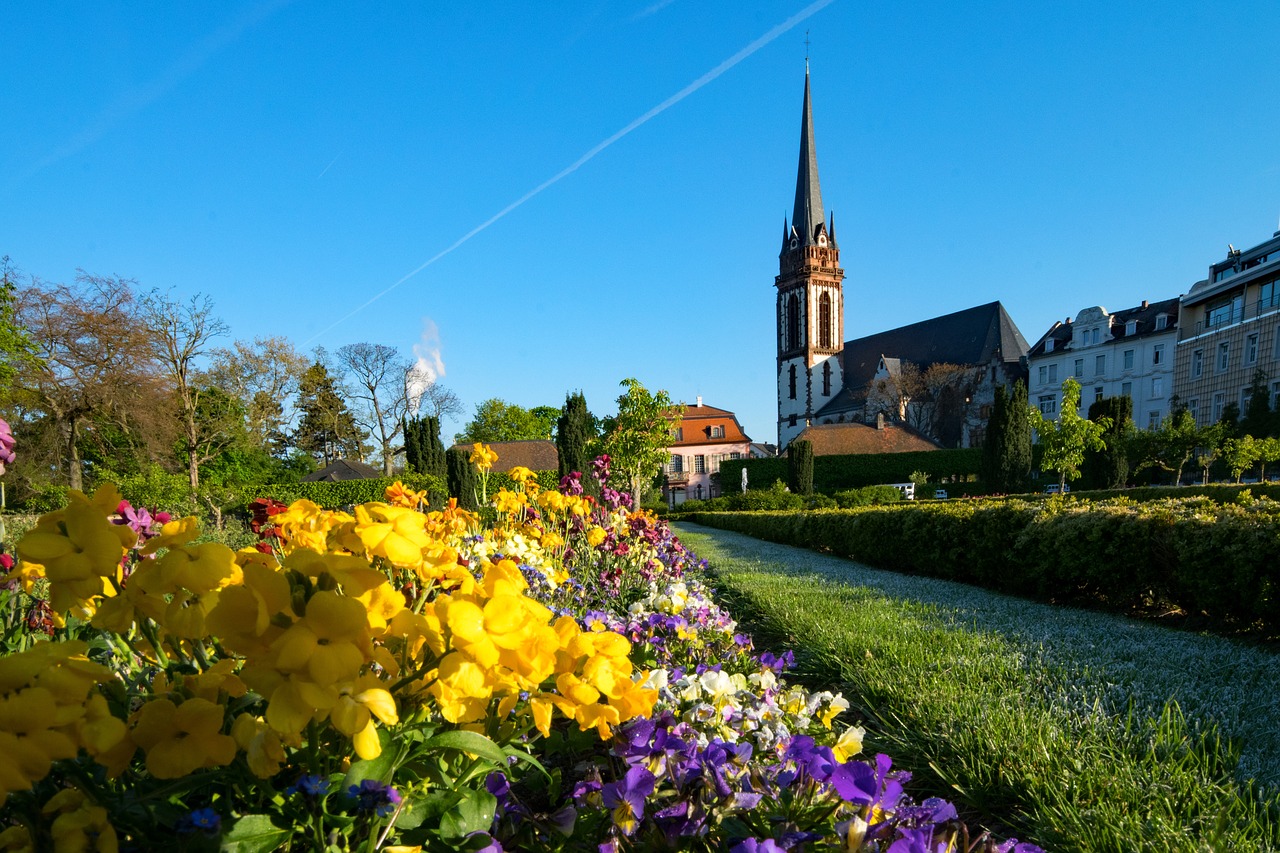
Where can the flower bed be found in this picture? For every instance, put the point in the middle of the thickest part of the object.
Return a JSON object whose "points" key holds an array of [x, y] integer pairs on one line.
{"points": [[549, 674]]}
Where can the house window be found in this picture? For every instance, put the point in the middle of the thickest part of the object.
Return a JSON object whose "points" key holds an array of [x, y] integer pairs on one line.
{"points": [[717, 431], [1162, 321], [1269, 295], [1099, 365], [824, 320], [1131, 328], [699, 464], [1128, 359], [1157, 354], [1224, 360], [1053, 373], [1244, 400], [826, 379], [1153, 420], [1079, 368], [1048, 405], [1048, 344], [1044, 375], [1193, 407], [793, 384], [1275, 394], [1219, 403], [677, 463], [984, 412], [1097, 394], [1126, 389], [1197, 363], [1251, 349], [1157, 387], [678, 433]]}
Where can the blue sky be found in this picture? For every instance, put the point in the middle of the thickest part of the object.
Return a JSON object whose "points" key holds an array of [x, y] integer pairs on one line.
{"points": [[295, 160]]}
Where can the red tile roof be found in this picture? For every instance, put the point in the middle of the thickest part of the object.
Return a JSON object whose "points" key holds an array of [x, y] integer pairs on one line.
{"points": [[535, 454], [847, 439], [695, 427]]}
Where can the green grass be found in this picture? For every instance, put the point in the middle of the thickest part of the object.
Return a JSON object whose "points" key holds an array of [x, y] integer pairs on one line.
{"points": [[1078, 730]]}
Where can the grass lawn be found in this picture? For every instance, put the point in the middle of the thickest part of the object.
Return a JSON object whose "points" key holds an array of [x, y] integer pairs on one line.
{"points": [[1075, 729]]}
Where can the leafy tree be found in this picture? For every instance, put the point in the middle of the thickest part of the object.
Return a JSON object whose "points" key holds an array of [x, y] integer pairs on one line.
{"points": [[1209, 444], [1006, 452], [326, 429], [1257, 420], [575, 431], [638, 437], [1240, 454], [800, 467], [383, 384], [17, 350], [498, 420], [461, 477], [1170, 447], [263, 374], [1109, 468], [1268, 451], [1065, 440]]}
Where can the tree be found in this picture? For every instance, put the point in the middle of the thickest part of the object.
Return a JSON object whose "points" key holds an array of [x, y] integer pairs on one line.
{"points": [[1006, 452], [423, 449], [1268, 451], [1064, 441], [1240, 454], [383, 384], [1209, 444], [17, 350], [180, 335], [461, 477], [326, 429], [575, 431], [436, 400], [94, 369], [1257, 420], [1109, 468], [638, 437], [1170, 447], [498, 420], [263, 374], [800, 467]]}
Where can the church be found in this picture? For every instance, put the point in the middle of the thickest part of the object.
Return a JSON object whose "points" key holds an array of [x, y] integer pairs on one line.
{"points": [[936, 378]]}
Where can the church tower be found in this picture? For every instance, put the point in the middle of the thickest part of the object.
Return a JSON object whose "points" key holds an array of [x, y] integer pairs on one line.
{"points": [[810, 312]]}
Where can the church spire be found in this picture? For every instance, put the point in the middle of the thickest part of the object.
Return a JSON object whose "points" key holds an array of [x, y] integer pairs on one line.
{"points": [[808, 216]]}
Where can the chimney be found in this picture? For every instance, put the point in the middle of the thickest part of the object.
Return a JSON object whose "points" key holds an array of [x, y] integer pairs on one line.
{"points": [[879, 420], [1144, 303], [699, 404], [1068, 321]]}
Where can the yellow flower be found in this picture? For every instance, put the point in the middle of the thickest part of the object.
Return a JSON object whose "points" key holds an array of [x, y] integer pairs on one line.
{"points": [[394, 533], [483, 457], [28, 741], [17, 839], [522, 475], [353, 714], [261, 745], [330, 643], [398, 494], [79, 824], [849, 743], [595, 536], [180, 739], [79, 549], [180, 531]]}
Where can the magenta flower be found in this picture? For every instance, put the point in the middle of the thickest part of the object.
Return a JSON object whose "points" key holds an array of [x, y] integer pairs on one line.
{"points": [[7, 443]]}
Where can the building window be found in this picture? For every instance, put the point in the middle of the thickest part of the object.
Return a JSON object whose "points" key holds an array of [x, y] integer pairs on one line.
{"points": [[1193, 407], [699, 464], [793, 324], [1251, 349], [677, 463], [826, 379], [1244, 401], [1048, 405], [1099, 365], [1269, 295], [717, 431], [1053, 373], [1044, 373], [1157, 354], [791, 421], [1162, 321], [1153, 420], [1131, 328], [1224, 360], [678, 433], [1079, 368], [1197, 363], [1097, 394], [984, 412], [793, 385], [1128, 359], [1157, 387], [1275, 394], [1219, 403], [1048, 344], [1126, 389], [824, 320]]}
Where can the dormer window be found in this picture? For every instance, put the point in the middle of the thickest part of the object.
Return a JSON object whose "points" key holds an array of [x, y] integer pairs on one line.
{"points": [[1162, 321], [1048, 344], [717, 431], [1131, 327]]}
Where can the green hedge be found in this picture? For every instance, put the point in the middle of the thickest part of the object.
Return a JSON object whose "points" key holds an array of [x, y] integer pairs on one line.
{"points": [[1207, 558], [836, 473], [350, 492]]}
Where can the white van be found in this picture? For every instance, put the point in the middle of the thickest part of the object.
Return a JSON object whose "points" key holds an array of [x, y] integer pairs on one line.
{"points": [[908, 490]]}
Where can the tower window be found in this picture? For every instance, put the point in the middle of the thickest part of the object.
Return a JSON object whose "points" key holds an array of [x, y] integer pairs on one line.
{"points": [[824, 320], [826, 379], [792, 338], [793, 382]]}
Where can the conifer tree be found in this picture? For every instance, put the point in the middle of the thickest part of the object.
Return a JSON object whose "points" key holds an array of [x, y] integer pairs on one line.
{"points": [[461, 476], [1109, 468], [575, 430], [800, 467], [327, 429], [432, 448], [1006, 452]]}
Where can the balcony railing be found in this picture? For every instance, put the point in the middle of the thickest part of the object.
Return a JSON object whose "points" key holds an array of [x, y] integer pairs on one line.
{"points": [[676, 478], [1259, 308]]}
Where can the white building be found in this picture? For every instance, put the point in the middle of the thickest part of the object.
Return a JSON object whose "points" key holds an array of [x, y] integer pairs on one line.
{"points": [[1126, 353]]}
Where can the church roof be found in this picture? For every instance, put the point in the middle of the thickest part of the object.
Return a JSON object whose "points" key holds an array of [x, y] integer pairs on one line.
{"points": [[973, 336], [852, 438], [808, 215]]}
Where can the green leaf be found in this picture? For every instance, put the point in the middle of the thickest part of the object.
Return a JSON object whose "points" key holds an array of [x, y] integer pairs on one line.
{"points": [[255, 833], [472, 742], [474, 813], [379, 768]]}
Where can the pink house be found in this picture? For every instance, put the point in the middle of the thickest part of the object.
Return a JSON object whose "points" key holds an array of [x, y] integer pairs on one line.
{"points": [[705, 438]]}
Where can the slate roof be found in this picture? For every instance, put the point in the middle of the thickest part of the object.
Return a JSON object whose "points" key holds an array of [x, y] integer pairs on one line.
{"points": [[855, 438], [343, 469], [807, 216], [1145, 316], [537, 454], [972, 336]]}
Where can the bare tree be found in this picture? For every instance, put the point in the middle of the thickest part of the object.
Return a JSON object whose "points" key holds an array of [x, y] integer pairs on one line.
{"points": [[263, 374], [94, 366], [181, 333], [383, 381], [436, 400]]}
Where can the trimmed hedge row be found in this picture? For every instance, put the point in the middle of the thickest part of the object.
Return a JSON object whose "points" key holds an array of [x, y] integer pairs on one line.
{"points": [[834, 473], [349, 492], [1219, 560]]}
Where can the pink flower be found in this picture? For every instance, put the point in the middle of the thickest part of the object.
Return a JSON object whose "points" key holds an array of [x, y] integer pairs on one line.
{"points": [[6, 445]]}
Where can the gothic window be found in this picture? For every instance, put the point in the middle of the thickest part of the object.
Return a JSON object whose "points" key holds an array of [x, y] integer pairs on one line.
{"points": [[826, 377], [824, 320], [792, 337], [793, 382]]}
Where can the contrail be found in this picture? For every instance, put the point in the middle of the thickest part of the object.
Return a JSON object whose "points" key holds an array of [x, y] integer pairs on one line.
{"points": [[751, 48]]}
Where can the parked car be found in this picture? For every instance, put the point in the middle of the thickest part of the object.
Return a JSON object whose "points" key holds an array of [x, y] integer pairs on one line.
{"points": [[939, 494], [1053, 489]]}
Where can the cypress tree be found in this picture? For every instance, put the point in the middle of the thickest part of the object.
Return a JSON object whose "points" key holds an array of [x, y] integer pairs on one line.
{"points": [[800, 467], [993, 446], [575, 429], [1010, 443], [461, 477], [1109, 468], [433, 450], [412, 451]]}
